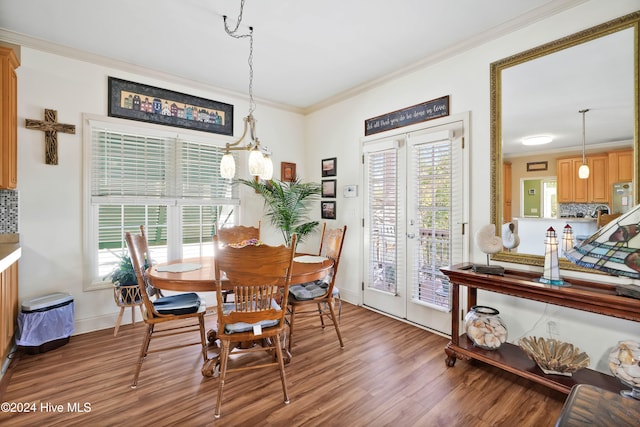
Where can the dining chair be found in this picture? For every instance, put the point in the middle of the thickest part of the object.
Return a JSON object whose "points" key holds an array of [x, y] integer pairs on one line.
{"points": [[604, 219], [259, 275], [129, 295], [318, 298], [152, 291], [181, 313], [236, 234]]}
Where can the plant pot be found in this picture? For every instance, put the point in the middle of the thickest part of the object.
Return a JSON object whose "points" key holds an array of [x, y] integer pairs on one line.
{"points": [[130, 293]]}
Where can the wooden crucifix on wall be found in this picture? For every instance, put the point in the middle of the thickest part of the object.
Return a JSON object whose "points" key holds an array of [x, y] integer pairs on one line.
{"points": [[51, 127]]}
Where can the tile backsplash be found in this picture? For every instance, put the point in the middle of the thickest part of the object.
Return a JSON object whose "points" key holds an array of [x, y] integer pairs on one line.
{"points": [[8, 211], [578, 209]]}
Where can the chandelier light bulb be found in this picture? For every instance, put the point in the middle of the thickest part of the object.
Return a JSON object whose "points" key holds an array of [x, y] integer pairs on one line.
{"points": [[227, 166], [267, 172], [256, 162]]}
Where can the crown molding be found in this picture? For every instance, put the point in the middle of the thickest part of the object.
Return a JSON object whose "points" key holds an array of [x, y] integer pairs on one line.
{"points": [[80, 55], [494, 33]]}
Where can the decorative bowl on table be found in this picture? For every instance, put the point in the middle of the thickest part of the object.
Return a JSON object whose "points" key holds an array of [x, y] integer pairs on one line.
{"points": [[485, 328], [553, 356], [624, 363]]}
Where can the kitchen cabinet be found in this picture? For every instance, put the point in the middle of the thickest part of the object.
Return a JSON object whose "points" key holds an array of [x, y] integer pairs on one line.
{"points": [[8, 308], [8, 118], [598, 186], [595, 189], [600, 298], [566, 177], [580, 194], [620, 166]]}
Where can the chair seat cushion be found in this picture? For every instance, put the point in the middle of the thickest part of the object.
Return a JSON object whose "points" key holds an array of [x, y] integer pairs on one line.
{"points": [[233, 328], [310, 290], [178, 304]]}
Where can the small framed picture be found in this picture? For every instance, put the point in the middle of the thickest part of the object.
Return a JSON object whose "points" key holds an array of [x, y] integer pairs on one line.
{"points": [[537, 166], [329, 188], [287, 172], [328, 209], [330, 167]]}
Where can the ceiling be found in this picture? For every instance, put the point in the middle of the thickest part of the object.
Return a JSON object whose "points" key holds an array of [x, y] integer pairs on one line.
{"points": [[306, 54]]}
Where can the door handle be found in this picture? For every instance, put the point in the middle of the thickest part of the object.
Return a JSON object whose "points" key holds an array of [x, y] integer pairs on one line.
{"points": [[411, 236]]}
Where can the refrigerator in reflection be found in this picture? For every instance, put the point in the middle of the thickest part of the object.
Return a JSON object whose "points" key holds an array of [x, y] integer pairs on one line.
{"points": [[622, 197]]}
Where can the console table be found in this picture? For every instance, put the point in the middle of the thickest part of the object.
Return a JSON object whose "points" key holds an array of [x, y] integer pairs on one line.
{"points": [[579, 294]]}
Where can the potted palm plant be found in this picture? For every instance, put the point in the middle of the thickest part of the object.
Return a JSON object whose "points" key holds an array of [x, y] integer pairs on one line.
{"points": [[287, 205]]}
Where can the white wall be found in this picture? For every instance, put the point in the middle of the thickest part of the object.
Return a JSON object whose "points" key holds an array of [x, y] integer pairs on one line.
{"points": [[51, 197], [335, 131]]}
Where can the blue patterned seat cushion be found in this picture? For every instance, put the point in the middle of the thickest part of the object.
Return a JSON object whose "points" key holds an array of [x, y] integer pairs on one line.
{"points": [[234, 328], [309, 290], [178, 304]]}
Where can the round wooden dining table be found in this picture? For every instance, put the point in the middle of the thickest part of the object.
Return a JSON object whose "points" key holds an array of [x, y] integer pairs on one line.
{"points": [[200, 276]]}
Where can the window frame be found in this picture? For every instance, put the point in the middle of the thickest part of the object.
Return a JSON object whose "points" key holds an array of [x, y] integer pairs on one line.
{"points": [[91, 279]]}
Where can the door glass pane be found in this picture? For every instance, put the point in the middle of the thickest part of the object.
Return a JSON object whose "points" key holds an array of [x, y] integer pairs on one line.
{"points": [[383, 214], [432, 196], [550, 198]]}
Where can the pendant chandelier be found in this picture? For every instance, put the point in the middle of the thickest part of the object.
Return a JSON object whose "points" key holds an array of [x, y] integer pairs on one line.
{"points": [[583, 172], [260, 163]]}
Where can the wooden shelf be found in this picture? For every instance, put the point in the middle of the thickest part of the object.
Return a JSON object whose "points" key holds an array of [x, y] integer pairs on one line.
{"points": [[512, 358], [600, 298]]}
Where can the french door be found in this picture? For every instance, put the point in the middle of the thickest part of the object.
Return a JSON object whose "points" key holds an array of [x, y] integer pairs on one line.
{"points": [[415, 193]]}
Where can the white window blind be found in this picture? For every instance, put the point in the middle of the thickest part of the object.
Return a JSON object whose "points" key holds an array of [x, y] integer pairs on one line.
{"points": [[130, 165], [198, 178], [432, 195], [381, 169]]}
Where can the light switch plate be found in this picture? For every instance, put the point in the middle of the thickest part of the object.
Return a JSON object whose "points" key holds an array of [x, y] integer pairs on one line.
{"points": [[350, 191]]}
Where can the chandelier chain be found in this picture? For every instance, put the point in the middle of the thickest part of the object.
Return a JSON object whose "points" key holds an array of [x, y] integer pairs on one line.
{"points": [[234, 33]]}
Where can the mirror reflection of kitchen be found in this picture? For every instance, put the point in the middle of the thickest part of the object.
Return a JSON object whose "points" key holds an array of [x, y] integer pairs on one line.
{"points": [[540, 209]]}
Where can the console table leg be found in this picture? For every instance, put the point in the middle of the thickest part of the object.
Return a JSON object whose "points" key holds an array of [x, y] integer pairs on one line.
{"points": [[451, 356]]}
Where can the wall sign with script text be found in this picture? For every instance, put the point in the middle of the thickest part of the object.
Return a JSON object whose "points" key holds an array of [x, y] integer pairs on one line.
{"points": [[407, 116]]}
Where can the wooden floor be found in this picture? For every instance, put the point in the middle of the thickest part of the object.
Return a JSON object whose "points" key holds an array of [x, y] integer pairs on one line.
{"points": [[389, 374]]}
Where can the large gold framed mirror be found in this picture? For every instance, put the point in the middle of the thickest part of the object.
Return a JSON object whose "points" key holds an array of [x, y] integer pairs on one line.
{"points": [[541, 92]]}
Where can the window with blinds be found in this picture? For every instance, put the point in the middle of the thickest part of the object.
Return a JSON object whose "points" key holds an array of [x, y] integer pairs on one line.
{"points": [[382, 180], [171, 186], [432, 195]]}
